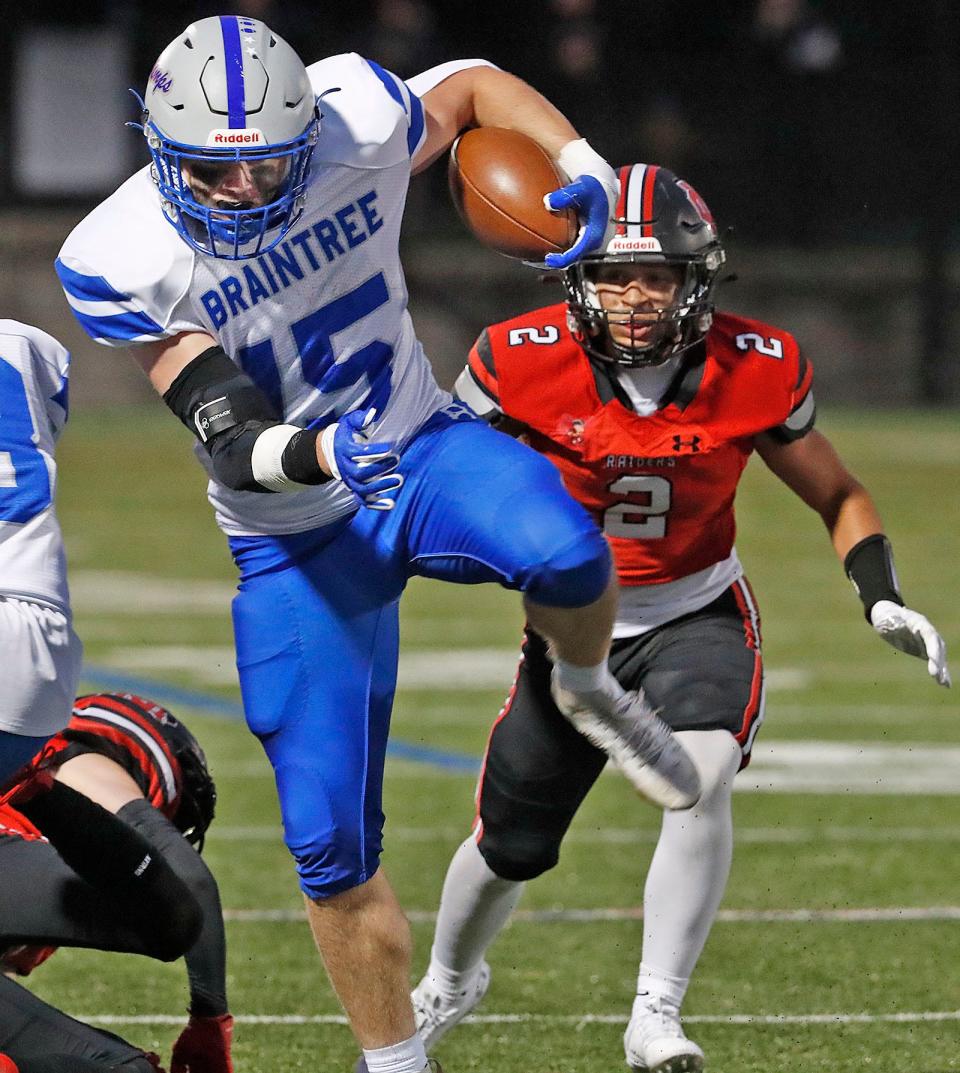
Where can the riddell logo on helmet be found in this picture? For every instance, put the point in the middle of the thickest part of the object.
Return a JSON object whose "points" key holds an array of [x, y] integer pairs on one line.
{"points": [[622, 244], [247, 136]]}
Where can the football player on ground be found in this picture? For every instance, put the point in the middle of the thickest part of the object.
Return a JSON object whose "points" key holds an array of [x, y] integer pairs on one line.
{"points": [[254, 270], [650, 405], [122, 755], [41, 653], [46, 1040]]}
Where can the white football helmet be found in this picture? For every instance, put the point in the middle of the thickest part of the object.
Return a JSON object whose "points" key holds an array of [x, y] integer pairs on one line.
{"points": [[230, 90]]}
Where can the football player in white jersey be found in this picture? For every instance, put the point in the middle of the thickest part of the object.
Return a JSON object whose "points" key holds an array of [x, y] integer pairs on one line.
{"points": [[253, 266], [41, 652]]}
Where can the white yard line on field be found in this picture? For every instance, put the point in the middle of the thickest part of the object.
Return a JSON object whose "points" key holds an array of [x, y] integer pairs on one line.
{"points": [[628, 836], [578, 1019], [438, 670], [893, 914], [121, 592], [797, 767]]}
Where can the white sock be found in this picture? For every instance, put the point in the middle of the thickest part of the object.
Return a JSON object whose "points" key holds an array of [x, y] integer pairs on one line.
{"points": [[596, 679], [474, 906], [689, 870], [406, 1057]]}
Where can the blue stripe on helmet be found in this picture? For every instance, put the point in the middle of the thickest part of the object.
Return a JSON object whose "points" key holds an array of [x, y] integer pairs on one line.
{"points": [[233, 58], [87, 288], [119, 326], [390, 82], [415, 133]]}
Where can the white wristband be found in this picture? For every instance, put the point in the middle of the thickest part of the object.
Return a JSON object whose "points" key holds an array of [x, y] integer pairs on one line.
{"points": [[326, 445], [267, 458], [578, 158]]}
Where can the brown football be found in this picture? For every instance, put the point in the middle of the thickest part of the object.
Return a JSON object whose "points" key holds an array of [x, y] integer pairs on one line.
{"points": [[498, 178]]}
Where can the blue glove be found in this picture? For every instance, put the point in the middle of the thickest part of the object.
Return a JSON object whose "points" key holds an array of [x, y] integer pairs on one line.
{"points": [[366, 468], [589, 198], [593, 194]]}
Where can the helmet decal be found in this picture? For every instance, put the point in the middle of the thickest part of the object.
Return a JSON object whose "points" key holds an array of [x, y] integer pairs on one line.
{"points": [[161, 80], [699, 204]]}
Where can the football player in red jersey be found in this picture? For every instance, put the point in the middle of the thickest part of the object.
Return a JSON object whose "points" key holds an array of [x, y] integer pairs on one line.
{"points": [[650, 404], [53, 1042], [122, 755]]}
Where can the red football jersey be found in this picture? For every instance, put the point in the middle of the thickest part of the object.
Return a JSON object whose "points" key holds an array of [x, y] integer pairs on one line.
{"points": [[661, 487], [127, 729]]}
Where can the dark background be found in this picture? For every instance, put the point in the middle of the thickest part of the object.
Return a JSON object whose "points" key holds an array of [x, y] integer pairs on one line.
{"points": [[823, 134]]}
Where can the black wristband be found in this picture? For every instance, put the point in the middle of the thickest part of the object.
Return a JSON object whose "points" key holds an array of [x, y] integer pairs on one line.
{"points": [[299, 458], [869, 566]]}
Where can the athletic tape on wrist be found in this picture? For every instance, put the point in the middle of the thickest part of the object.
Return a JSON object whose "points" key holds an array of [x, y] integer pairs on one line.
{"points": [[267, 458], [579, 158]]}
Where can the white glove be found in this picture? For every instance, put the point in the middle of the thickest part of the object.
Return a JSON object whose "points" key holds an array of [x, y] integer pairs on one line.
{"points": [[912, 633]]}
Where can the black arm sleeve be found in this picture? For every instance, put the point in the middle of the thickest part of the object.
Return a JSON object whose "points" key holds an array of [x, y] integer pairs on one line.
{"points": [[226, 411], [111, 855], [869, 566], [207, 958]]}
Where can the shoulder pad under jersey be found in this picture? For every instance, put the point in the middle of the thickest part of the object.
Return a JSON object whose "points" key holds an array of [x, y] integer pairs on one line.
{"points": [[126, 271], [45, 360], [787, 402], [369, 116]]}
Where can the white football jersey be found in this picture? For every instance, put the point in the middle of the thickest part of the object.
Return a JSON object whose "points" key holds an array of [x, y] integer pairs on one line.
{"points": [[313, 320], [34, 370]]}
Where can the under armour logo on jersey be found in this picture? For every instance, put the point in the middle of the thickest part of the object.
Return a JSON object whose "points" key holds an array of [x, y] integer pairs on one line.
{"points": [[692, 444]]}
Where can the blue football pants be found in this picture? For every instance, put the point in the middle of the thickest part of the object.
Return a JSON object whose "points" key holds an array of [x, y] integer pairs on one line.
{"points": [[316, 622]]}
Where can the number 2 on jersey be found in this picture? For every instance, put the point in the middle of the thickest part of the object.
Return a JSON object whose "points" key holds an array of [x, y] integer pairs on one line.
{"points": [[772, 347], [24, 480], [639, 520]]}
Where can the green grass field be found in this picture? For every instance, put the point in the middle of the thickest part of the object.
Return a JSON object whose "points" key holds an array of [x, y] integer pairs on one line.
{"points": [[835, 991]]}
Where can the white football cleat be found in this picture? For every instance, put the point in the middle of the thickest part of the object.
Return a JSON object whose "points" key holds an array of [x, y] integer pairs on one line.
{"points": [[637, 740], [654, 1041], [435, 1014]]}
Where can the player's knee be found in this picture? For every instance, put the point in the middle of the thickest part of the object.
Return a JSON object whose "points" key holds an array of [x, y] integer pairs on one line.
{"points": [[574, 576], [330, 868], [518, 855], [717, 757]]}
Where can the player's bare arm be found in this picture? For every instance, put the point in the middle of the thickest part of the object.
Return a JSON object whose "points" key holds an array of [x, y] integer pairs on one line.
{"points": [[101, 779], [164, 360], [488, 97], [484, 96], [812, 468]]}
